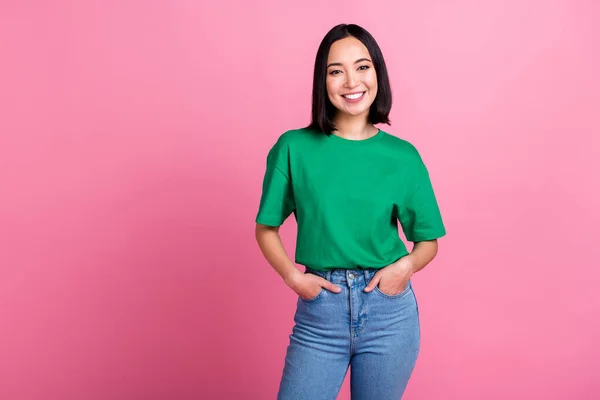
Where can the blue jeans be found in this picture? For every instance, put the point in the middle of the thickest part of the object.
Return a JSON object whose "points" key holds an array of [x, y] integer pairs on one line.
{"points": [[374, 334]]}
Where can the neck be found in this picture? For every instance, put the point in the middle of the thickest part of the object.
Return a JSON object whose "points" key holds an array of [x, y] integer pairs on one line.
{"points": [[353, 127]]}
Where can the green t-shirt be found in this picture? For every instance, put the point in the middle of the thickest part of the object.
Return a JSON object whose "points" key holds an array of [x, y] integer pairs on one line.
{"points": [[347, 197]]}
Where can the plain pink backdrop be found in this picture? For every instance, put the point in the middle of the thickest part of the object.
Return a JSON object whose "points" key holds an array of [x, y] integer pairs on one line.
{"points": [[133, 139]]}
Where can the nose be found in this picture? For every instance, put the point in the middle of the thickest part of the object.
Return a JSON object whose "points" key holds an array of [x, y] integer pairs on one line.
{"points": [[351, 80]]}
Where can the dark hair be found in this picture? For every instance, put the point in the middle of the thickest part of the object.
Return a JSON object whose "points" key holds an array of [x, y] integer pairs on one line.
{"points": [[322, 109]]}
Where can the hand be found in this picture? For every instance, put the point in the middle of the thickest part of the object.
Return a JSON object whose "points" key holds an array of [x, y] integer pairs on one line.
{"points": [[395, 277], [308, 286]]}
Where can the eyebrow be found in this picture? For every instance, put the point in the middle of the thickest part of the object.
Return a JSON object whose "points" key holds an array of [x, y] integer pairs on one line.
{"points": [[355, 62]]}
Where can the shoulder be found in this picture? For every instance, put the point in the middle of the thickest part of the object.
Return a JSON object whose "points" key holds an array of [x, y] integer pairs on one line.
{"points": [[404, 149], [296, 136], [293, 138]]}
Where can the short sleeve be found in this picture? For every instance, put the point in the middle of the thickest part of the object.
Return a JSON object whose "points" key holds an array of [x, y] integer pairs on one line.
{"points": [[277, 199], [419, 213]]}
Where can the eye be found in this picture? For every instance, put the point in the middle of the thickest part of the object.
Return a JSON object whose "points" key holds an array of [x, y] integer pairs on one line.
{"points": [[363, 67], [334, 72]]}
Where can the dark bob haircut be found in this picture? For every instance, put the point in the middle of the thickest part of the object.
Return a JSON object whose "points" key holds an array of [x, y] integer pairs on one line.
{"points": [[323, 111]]}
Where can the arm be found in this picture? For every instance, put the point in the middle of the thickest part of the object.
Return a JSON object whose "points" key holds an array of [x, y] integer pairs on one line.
{"points": [[270, 244], [422, 254]]}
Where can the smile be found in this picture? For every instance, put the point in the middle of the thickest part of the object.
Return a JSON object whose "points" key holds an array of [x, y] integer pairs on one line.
{"points": [[354, 96]]}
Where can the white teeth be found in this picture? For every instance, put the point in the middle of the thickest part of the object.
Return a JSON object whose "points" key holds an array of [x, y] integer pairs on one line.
{"points": [[353, 96]]}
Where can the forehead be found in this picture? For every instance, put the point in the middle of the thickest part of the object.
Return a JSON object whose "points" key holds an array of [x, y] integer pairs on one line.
{"points": [[348, 49]]}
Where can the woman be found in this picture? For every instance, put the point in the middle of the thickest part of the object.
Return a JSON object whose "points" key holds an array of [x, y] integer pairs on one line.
{"points": [[348, 183]]}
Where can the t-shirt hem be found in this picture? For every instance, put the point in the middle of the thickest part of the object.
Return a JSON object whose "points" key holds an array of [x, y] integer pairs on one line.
{"points": [[269, 221], [329, 266], [425, 237]]}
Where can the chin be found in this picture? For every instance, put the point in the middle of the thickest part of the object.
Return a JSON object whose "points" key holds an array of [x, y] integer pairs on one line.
{"points": [[356, 112]]}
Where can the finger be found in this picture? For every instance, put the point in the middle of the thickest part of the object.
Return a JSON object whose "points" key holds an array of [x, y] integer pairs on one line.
{"points": [[374, 282], [335, 288], [330, 286]]}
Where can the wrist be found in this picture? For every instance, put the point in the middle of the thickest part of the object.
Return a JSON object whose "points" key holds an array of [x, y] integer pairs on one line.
{"points": [[290, 276], [407, 263]]}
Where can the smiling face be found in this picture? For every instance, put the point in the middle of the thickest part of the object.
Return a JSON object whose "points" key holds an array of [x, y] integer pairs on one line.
{"points": [[351, 79]]}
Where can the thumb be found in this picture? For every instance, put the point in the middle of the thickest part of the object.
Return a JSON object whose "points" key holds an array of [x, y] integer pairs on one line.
{"points": [[373, 283]]}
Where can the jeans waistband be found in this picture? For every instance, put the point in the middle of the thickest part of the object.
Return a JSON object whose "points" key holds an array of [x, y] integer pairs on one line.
{"points": [[342, 275]]}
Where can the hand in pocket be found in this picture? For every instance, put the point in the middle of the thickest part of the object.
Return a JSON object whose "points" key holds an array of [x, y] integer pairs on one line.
{"points": [[308, 286]]}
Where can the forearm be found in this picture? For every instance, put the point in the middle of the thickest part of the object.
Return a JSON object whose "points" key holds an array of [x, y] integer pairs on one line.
{"points": [[271, 246], [422, 254]]}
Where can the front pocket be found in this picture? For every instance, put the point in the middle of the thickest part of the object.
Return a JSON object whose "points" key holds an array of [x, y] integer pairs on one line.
{"points": [[314, 298], [395, 296]]}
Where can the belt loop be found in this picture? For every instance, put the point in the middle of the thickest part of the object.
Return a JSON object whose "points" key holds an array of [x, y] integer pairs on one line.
{"points": [[328, 275], [366, 272]]}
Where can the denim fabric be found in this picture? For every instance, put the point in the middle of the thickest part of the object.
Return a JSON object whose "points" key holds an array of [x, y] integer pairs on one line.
{"points": [[375, 335]]}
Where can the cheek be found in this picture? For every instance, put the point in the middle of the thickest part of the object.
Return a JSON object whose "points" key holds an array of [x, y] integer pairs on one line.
{"points": [[331, 88], [372, 82]]}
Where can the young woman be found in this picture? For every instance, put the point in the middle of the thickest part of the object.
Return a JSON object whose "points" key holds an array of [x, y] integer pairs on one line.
{"points": [[348, 184]]}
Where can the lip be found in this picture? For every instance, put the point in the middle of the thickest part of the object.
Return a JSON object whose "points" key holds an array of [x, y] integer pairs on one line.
{"points": [[354, 100]]}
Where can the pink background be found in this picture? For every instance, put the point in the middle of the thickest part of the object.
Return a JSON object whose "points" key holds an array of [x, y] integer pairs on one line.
{"points": [[133, 138]]}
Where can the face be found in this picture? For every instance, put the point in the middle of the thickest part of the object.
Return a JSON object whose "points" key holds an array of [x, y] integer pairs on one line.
{"points": [[351, 78]]}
